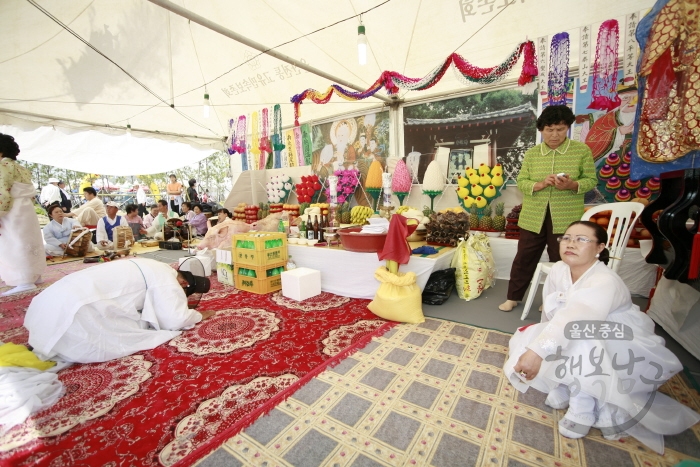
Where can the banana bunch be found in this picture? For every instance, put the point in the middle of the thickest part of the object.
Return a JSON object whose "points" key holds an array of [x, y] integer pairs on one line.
{"points": [[402, 209], [456, 210], [360, 214]]}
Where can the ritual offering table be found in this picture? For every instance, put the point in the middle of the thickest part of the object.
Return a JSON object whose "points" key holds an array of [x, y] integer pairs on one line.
{"points": [[351, 274]]}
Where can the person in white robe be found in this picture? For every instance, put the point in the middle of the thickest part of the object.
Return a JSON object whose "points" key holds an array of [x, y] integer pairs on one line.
{"points": [[91, 212], [22, 258], [112, 310], [105, 226], [595, 352], [57, 233], [51, 193], [141, 200]]}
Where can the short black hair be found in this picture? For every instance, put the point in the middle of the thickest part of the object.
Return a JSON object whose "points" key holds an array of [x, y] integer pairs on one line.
{"points": [[162, 202], [91, 190], [154, 206], [8, 147], [51, 207], [172, 175], [188, 204], [130, 208], [555, 115], [224, 210], [197, 206], [192, 182]]}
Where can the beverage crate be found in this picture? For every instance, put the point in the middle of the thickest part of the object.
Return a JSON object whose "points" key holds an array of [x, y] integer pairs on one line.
{"points": [[262, 283], [259, 241], [259, 248], [255, 258]]}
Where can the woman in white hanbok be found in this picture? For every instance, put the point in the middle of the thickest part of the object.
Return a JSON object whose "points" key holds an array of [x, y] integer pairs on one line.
{"points": [[595, 352], [22, 258], [57, 233]]}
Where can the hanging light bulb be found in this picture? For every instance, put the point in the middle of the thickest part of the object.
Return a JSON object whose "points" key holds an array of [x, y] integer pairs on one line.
{"points": [[361, 45], [206, 105]]}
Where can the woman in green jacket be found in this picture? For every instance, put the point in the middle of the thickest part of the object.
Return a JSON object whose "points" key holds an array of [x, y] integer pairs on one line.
{"points": [[554, 177]]}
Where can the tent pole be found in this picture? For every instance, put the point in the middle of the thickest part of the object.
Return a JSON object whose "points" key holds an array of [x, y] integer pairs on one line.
{"points": [[202, 21]]}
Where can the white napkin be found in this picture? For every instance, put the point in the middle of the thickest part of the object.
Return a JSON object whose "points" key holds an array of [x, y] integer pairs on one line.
{"points": [[377, 225]]}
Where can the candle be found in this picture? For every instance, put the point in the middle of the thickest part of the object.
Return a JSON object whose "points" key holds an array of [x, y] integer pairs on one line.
{"points": [[333, 186]]}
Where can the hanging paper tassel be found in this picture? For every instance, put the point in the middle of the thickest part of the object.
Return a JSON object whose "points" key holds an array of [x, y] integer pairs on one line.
{"points": [[240, 145], [393, 81], [277, 144], [604, 93], [254, 141], [231, 137], [307, 143], [265, 145], [558, 69], [299, 146]]}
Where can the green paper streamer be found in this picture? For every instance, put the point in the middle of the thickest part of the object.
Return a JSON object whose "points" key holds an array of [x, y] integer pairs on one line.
{"points": [[306, 143]]}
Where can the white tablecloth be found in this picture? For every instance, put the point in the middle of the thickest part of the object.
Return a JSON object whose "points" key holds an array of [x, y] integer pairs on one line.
{"points": [[634, 271], [351, 274]]}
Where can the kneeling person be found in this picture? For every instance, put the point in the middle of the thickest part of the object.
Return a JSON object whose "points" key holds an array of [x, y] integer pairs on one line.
{"points": [[113, 310], [57, 233]]}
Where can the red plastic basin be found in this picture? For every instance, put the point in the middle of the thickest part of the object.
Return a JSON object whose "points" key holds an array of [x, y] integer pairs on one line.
{"points": [[362, 243]]}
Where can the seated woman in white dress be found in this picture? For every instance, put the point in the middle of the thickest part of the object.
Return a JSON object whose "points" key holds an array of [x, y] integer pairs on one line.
{"points": [[595, 352], [57, 233]]}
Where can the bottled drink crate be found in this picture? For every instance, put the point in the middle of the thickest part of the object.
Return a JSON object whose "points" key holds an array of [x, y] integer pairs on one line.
{"points": [[259, 279], [259, 248]]}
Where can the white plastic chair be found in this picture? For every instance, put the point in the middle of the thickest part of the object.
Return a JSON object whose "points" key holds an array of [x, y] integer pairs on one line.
{"points": [[620, 220]]}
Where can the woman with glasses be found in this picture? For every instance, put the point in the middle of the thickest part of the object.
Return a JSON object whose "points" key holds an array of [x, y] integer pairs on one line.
{"points": [[595, 353], [554, 177]]}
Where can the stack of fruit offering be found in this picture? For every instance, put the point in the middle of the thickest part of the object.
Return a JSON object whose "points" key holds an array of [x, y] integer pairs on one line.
{"points": [[251, 213], [239, 212], [512, 229], [307, 190]]}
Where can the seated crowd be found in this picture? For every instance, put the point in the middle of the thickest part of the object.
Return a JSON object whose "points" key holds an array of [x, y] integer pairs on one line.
{"points": [[101, 219]]}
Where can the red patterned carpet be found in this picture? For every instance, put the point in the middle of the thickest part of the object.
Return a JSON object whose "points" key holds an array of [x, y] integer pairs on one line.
{"points": [[174, 404]]}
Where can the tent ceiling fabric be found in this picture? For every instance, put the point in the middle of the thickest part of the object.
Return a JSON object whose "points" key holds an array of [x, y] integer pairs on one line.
{"points": [[48, 71]]}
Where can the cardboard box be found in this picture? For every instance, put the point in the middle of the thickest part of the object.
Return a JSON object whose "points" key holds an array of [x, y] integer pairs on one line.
{"points": [[224, 273], [301, 283], [224, 267], [205, 261]]}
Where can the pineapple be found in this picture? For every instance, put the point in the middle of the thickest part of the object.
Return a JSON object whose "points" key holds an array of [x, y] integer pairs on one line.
{"points": [[499, 220], [486, 223], [346, 217], [473, 218]]}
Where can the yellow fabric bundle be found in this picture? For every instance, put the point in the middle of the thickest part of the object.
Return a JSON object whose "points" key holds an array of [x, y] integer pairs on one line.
{"points": [[18, 355]]}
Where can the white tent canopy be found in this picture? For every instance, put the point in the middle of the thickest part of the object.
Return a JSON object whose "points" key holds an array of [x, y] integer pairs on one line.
{"points": [[89, 67]]}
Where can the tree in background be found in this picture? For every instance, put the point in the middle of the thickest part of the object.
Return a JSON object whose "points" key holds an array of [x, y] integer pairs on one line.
{"points": [[212, 173]]}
